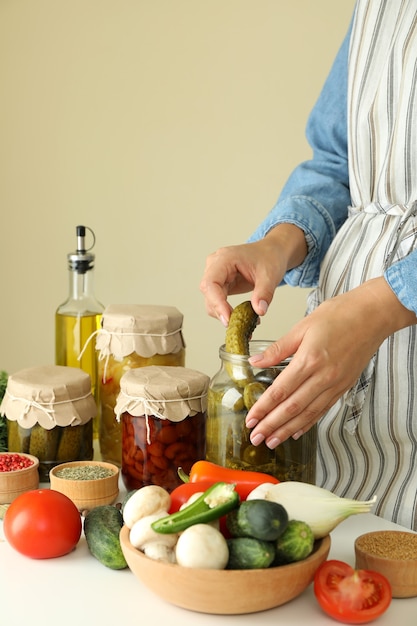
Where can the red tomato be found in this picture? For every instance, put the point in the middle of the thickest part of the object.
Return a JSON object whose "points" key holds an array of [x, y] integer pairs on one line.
{"points": [[351, 596], [42, 524]]}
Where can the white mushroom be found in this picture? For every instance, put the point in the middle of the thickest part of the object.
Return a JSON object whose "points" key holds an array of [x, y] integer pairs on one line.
{"points": [[146, 501], [202, 546], [153, 544], [160, 552]]}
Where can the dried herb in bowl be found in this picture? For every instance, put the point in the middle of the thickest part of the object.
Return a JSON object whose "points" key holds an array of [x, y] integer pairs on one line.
{"points": [[84, 472]]}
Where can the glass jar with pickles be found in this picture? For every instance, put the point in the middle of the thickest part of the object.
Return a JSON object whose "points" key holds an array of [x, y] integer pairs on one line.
{"points": [[132, 336], [233, 390], [163, 415], [49, 413]]}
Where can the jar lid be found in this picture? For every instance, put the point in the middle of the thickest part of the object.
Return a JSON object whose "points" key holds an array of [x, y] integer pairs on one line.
{"points": [[50, 395], [142, 328], [167, 392]]}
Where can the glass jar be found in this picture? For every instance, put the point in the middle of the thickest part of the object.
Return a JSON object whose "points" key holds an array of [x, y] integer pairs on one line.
{"points": [[50, 411], [163, 413], [132, 336], [233, 390]]}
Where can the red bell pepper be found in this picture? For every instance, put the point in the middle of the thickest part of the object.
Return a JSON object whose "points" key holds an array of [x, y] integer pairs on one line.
{"points": [[181, 494], [208, 472]]}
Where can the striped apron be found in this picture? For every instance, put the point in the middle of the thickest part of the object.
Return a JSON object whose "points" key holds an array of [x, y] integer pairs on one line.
{"points": [[368, 440]]}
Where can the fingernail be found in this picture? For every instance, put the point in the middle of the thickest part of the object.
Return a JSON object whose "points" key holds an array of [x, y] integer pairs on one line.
{"points": [[223, 321], [273, 443], [257, 439], [297, 435], [255, 358], [251, 423], [263, 305]]}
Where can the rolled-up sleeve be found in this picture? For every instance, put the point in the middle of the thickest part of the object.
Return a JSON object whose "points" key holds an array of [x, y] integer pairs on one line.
{"points": [[402, 278]]}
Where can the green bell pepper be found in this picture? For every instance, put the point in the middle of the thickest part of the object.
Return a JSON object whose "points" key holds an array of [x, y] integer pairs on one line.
{"points": [[215, 502]]}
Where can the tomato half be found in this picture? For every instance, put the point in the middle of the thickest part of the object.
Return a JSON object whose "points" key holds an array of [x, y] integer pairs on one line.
{"points": [[351, 596], [42, 524]]}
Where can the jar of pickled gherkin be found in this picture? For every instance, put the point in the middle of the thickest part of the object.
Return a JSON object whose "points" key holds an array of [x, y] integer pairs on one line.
{"points": [[233, 390], [132, 336], [49, 413], [163, 413]]}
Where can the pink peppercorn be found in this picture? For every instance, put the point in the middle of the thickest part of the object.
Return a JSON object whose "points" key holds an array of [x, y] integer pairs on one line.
{"points": [[13, 461]]}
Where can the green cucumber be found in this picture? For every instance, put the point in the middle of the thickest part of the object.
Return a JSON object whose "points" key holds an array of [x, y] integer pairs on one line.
{"points": [[101, 529], [295, 544], [261, 519], [249, 553]]}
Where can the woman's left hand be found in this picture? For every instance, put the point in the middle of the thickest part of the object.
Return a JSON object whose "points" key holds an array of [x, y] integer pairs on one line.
{"points": [[330, 349]]}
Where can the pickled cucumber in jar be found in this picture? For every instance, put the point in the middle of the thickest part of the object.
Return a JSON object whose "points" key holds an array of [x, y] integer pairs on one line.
{"points": [[233, 391], [49, 412]]}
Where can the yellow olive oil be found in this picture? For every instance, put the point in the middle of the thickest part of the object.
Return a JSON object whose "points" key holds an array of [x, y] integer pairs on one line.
{"points": [[72, 334]]}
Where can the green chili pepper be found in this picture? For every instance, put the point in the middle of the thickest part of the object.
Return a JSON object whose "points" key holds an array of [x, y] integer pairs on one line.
{"points": [[215, 502]]}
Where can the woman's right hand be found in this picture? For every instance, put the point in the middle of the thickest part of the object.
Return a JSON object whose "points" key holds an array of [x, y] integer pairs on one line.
{"points": [[258, 266]]}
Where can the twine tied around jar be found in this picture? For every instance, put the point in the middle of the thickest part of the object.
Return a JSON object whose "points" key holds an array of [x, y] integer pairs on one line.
{"points": [[105, 351], [27, 404]]}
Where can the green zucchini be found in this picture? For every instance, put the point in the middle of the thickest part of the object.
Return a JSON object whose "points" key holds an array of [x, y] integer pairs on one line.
{"points": [[101, 529], [249, 553], [260, 519], [295, 544]]}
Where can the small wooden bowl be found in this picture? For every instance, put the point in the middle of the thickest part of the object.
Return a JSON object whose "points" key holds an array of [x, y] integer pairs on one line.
{"points": [[392, 553], [87, 494], [226, 592], [13, 483]]}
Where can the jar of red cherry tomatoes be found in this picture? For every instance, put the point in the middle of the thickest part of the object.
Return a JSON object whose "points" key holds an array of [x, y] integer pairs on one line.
{"points": [[163, 412]]}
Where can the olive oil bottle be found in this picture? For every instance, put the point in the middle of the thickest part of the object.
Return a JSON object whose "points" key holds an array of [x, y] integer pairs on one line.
{"points": [[79, 317]]}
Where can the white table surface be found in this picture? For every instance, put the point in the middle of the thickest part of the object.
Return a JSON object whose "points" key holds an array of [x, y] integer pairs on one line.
{"points": [[78, 590]]}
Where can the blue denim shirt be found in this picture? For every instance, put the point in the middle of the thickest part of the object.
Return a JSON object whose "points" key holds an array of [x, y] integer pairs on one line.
{"points": [[316, 196]]}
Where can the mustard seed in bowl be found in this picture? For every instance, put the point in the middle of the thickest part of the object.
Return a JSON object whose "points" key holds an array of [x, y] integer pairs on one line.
{"points": [[393, 545], [392, 553]]}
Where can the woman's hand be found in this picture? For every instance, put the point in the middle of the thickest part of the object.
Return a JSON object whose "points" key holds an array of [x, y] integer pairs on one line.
{"points": [[330, 349], [259, 266]]}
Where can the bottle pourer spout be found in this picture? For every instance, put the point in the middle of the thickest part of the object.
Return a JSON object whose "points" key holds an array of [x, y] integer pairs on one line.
{"points": [[82, 259], [81, 239]]}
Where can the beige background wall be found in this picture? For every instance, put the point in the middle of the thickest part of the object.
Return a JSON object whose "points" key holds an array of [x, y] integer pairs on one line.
{"points": [[168, 127]]}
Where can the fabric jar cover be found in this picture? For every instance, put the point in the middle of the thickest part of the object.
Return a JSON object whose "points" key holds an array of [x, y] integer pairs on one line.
{"points": [[144, 329], [50, 395], [167, 392]]}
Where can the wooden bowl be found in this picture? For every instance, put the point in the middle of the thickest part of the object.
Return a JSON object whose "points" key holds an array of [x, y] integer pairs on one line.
{"points": [[87, 494], [226, 592], [392, 553], [13, 483]]}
